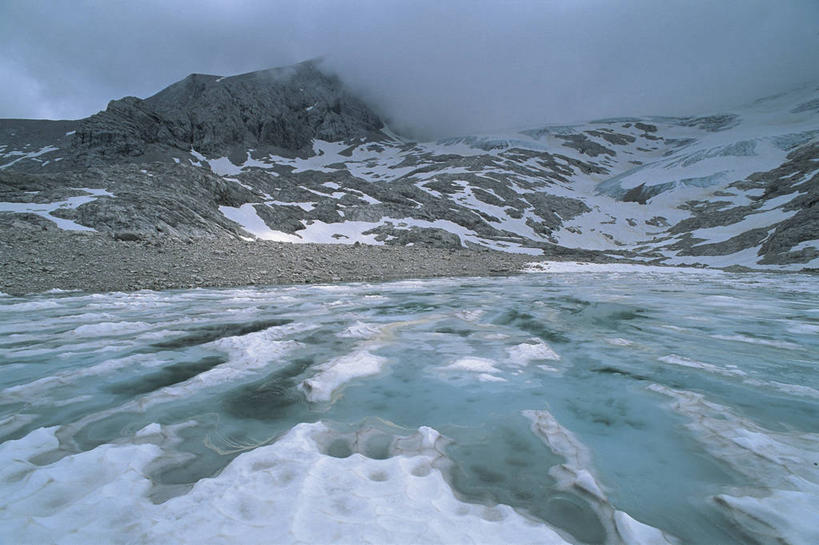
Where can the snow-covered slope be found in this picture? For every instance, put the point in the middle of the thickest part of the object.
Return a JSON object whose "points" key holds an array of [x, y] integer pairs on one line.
{"points": [[735, 188], [674, 190]]}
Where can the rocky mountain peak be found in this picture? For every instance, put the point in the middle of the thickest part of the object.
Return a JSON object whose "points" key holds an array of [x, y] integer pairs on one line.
{"points": [[284, 108], [290, 155]]}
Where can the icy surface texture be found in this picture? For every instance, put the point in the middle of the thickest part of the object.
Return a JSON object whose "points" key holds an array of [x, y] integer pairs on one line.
{"points": [[304, 488], [608, 405]]}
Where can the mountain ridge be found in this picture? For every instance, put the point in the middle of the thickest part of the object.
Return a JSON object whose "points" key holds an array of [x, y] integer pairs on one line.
{"points": [[291, 155]]}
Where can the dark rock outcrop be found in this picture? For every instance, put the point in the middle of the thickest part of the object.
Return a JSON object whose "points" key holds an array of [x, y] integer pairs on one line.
{"points": [[282, 108]]}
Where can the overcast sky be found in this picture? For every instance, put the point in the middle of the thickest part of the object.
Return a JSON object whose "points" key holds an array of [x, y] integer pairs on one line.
{"points": [[431, 67]]}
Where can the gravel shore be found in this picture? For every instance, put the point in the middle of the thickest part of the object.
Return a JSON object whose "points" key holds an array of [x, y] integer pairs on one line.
{"points": [[35, 261]]}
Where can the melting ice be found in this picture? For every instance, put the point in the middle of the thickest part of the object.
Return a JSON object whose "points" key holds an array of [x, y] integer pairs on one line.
{"points": [[592, 405]]}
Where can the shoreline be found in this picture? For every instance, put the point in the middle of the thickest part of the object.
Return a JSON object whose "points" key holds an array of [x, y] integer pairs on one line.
{"points": [[34, 262]]}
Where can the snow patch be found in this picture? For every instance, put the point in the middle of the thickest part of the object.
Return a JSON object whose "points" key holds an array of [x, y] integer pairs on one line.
{"points": [[31, 155], [361, 330], [338, 371], [524, 353], [101, 496], [580, 266], [472, 365]]}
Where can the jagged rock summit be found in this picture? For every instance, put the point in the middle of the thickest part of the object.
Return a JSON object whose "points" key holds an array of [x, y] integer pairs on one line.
{"points": [[282, 108], [291, 155]]}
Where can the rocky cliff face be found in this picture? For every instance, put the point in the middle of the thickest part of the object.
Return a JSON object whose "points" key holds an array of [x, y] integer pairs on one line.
{"points": [[284, 109], [290, 155]]}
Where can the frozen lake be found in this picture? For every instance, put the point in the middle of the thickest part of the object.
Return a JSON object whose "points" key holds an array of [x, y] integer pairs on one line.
{"points": [[578, 407]]}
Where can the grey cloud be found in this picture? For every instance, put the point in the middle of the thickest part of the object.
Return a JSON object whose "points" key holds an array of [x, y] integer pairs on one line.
{"points": [[432, 68]]}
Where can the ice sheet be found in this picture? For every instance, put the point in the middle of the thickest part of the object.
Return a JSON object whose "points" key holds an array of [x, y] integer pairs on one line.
{"points": [[227, 364], [781, 504], [577, 475], [287, 492]]}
